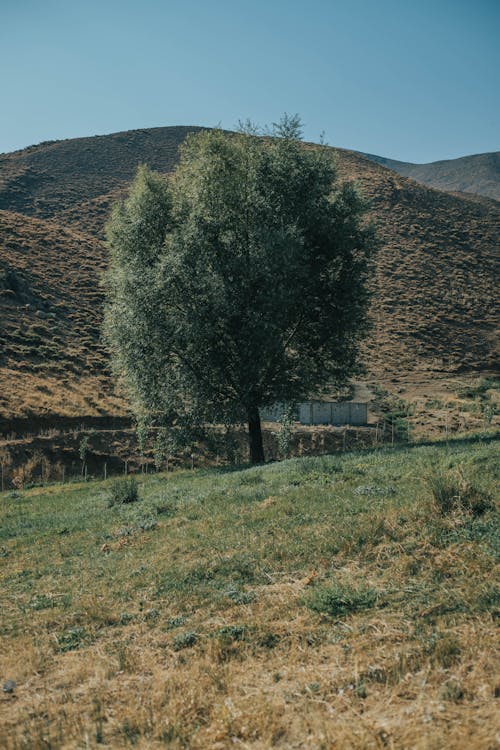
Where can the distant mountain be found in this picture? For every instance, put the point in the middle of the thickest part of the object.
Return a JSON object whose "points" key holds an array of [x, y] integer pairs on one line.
{"points": [[434, 309], [478, 174]]}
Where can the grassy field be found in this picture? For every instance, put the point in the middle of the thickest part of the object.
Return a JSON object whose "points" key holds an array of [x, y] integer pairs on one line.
{"points": [[335, 602]]}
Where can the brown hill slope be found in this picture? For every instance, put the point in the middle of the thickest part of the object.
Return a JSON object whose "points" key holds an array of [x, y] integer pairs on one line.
{"points": [[51, 358], [54, 176], [436, 305], [478, 174], [434, 309]]}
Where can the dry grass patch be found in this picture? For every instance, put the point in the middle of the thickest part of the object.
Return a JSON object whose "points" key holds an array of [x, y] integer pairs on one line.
{"points": [[330, 617]]}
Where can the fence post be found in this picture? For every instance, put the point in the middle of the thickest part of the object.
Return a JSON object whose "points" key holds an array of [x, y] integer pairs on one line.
{"points": [[2, 478], [105, 471]]}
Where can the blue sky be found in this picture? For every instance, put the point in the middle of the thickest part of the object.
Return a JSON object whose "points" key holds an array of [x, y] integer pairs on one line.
{"points": [[415, 80]]}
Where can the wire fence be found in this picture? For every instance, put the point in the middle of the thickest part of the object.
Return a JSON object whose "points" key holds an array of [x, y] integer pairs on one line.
{"points": [[39, 468]]}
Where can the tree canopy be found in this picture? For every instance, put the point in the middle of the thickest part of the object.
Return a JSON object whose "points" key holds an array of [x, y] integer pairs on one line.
{"points": [[237, 282]]}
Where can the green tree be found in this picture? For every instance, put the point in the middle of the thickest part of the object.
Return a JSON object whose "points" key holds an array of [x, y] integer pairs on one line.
{"points": [[238, 282]]}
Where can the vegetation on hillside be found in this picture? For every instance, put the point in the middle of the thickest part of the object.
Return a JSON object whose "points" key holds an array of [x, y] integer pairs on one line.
{"points": [[434, 309]]}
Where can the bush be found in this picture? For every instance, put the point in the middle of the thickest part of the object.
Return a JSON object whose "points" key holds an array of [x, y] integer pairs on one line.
{"points": [[73, 639], [123, 491], [396, 419], [453, 492], [185, 640], [480, 389]]}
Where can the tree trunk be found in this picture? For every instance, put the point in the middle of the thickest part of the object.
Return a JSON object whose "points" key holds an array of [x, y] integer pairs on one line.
{"points": [[255, 436]]}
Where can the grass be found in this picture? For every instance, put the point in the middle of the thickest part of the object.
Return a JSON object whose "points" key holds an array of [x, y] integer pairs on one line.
{"points": [[317, 603], [337, 601], [452, 491]]}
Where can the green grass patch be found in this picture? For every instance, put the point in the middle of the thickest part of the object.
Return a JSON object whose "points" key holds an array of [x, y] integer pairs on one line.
{"points": [[340, 600], [209, 540]]}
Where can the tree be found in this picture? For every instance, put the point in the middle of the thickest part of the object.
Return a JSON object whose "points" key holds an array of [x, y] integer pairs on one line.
{"points": [[238, 282]]}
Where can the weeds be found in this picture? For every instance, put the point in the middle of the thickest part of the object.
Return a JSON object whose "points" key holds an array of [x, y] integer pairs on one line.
{"points": [[123, 491], [338, 601], [452, 492], [240, 597], [488, 600], [185, 640], [232, 633], [73, 639]]}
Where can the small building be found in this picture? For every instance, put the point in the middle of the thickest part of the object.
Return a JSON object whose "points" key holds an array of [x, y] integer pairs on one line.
{"points": [[333, 412], [322, 412]]}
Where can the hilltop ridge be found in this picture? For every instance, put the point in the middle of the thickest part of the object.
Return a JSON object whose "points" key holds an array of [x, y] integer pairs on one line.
{"points": [[478, 174]]}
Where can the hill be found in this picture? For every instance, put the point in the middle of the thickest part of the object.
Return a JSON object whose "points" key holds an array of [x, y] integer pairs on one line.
{"points": [[51, 358], [434, 307], [478, 174], [52, 177], [328, 602]]}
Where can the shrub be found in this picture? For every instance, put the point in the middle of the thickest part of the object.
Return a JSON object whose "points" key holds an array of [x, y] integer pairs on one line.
{"points": [[269, 640], [125, 618], [454, 492], [175, 622], [396, 419], [480, 389], [123, 491], [232, 633], [185, 640], [146, 523], [73, 639]]}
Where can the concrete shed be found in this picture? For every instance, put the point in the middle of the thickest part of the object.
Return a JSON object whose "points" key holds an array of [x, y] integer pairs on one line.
{"points": [[336, 413], [323, 412]]}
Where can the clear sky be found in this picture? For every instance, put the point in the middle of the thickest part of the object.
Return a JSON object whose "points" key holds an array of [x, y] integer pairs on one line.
{"points": [[416, 80]]}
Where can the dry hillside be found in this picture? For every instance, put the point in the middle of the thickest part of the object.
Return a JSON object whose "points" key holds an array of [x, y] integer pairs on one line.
{"points": [[46, 179], [434, 307], [51, 358]]}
